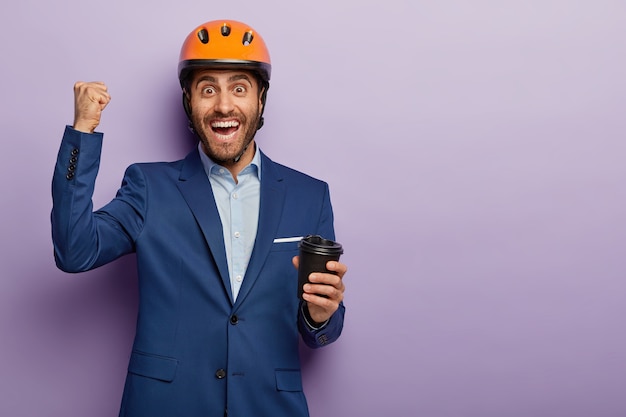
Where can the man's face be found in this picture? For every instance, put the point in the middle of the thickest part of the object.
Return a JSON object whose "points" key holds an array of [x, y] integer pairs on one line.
{"points": [[225, 111]]}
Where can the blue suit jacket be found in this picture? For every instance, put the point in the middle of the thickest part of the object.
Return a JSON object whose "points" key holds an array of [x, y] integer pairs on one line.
{"points": [[196, 353]]}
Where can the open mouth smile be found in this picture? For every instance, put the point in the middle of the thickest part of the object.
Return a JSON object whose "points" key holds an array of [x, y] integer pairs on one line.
{"points": [[225, 129]]}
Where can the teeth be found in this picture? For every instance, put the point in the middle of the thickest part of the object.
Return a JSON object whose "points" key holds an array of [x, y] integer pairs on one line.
{"points": [[230, 123]]}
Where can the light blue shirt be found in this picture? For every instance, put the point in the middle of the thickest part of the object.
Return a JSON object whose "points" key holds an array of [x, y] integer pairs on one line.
{"points": [[238, 206]]}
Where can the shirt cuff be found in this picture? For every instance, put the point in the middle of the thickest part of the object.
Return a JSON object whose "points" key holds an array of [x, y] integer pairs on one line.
{"points": [[311, 324]]}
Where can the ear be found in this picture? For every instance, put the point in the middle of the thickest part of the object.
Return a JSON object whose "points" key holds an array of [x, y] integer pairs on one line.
{"points": [[262, 99]]}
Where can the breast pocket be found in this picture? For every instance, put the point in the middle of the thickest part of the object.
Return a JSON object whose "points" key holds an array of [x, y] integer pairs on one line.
{"points": [[279, 246]]}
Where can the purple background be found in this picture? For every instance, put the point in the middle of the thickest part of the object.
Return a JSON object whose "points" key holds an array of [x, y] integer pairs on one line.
{"points": [[475, 152]]}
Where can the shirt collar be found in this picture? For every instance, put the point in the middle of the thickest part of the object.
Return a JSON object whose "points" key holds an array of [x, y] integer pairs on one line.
{"points": [[211, 166]]}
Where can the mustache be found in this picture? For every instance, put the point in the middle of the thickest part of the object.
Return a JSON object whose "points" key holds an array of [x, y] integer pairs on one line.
{"points": [[207, 119]]}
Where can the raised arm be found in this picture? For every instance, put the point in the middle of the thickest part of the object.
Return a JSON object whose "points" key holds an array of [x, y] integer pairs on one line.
{"points": [[83, 239]]}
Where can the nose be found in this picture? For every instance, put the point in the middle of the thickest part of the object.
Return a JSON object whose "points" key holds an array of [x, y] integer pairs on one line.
{"points": [[224, 103]]}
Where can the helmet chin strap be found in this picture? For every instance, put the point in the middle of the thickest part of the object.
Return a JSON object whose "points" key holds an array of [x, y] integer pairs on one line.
{"points": [[245, 148]]}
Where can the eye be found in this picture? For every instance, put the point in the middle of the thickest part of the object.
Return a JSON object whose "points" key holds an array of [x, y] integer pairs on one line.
{"points": [[207, 90], [239, 89]]}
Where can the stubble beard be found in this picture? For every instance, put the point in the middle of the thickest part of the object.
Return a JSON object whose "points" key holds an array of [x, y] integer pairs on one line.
{"points": [[225, 153]]}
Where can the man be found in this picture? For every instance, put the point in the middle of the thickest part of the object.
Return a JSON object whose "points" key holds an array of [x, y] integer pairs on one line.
{"points": [[216, 239]]}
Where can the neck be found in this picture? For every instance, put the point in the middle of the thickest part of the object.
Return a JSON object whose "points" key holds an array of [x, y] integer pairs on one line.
{"points": [[235, 165]]}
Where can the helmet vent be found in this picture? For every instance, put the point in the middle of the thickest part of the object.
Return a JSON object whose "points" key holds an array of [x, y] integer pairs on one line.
{"points": [[247, 38], [203, 35], [225, 29]]}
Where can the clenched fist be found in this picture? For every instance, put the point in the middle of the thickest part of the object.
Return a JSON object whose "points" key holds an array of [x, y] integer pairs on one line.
{"points": [[90, 99]]}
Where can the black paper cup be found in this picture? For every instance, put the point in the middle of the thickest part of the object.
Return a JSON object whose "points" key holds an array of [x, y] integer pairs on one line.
{"points": [[315, 251]]}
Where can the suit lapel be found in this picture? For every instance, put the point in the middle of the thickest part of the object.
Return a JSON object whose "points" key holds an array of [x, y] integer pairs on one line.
{"points": [[270, 213], [197, 192]]}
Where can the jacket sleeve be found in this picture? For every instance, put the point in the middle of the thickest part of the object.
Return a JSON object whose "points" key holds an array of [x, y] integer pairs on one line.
{"points": [[84, 239], [322, 336], [331, 329]]}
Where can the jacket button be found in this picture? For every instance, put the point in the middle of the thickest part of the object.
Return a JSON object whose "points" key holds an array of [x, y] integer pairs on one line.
{"points": [[220, 374], [234, 319], [322, 339]]}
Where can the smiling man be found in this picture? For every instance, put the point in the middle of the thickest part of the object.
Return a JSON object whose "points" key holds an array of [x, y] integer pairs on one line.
{"points": [[216, 239], [225, 112]]}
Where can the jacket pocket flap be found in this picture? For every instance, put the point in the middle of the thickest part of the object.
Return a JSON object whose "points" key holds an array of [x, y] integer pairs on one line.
{"points": [[157, 367], [288, 380]]}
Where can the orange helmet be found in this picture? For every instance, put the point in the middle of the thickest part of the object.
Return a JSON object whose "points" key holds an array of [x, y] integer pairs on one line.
{"points": [[224, 44]]}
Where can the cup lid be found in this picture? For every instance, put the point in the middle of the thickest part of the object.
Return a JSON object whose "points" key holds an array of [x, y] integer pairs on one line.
{"points": [[317, 244]]}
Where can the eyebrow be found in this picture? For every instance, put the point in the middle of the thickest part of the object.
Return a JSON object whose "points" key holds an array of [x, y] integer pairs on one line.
{"points": [[232, 78]]}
